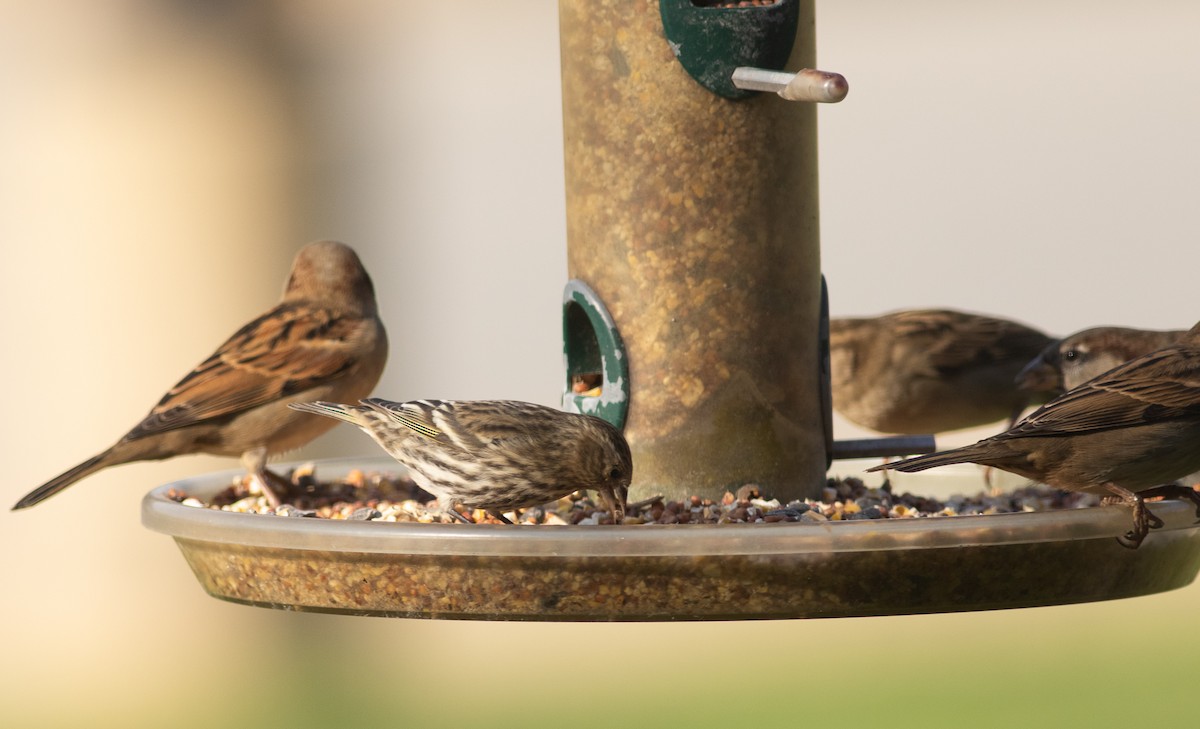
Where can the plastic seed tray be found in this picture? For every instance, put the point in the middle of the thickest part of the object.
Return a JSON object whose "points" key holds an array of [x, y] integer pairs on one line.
{"points": [[670, 572]]}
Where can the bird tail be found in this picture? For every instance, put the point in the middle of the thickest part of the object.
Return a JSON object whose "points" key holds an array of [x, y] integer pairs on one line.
{"points": [[63, 480], [334, 410], [932, 460]]}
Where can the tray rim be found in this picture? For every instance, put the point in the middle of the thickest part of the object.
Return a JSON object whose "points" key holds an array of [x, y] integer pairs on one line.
{"points": [[172, 518]]}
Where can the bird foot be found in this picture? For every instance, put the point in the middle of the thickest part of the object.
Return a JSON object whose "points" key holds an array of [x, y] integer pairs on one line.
{"points": [[271, 485], [464, 519], [1176, 491], [1143, 521], [1131, 539]]}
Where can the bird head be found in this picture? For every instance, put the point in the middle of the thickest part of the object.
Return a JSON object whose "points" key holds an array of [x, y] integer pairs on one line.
{"points": [[605, 463], [329, 271]]}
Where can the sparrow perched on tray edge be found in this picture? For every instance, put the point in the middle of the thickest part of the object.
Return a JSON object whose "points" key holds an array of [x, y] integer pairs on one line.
{"points": [[323, 340], [1127, 434]]}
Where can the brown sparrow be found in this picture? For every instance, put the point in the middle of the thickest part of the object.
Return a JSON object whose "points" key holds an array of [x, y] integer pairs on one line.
{"points": [[1075, 359], [930, 370], [1126, 434], [323, 340]]}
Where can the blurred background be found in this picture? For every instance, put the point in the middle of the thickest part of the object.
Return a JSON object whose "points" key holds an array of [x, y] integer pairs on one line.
{"points": [[161, 161]]}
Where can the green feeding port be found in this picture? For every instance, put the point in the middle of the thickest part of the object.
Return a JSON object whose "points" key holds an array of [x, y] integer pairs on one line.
{"points": [[597, 367], [711, 38]]}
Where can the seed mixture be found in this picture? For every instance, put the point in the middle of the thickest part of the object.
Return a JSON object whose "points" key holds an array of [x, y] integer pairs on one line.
{"points": [[378, 496]]}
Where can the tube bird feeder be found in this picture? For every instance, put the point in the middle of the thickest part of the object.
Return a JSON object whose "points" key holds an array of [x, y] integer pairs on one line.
{"points": [[692, 224]]}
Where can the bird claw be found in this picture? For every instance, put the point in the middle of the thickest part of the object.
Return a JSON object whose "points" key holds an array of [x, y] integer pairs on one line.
{"points": [[1143, 521], [1175, 491], [1152, 521], [1131, 539]]}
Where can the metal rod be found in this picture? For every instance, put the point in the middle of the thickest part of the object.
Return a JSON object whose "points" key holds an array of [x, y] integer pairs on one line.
{"points": [[805, 85], [899, 445]]}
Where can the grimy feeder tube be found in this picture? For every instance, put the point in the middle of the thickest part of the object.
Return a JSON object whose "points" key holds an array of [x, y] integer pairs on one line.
{"points": [[692, 218]]}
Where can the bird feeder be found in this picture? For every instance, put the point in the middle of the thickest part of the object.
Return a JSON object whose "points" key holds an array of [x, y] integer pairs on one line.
{"points": [[692, 239], [696, 319]]}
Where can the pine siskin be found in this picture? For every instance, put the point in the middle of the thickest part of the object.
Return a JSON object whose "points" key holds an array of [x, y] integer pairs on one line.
{"points": [[324, 339], [494, 455]]}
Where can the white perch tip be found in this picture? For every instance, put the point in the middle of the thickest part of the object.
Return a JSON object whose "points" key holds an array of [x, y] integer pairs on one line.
{"points": [[813, 85], [806, 85]]}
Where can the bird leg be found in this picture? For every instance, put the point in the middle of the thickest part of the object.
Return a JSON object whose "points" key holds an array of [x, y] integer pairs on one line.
{"points": [[255, 463], [1175, 491], [1143, 520], [458, 516], [496, 513], [988, 474], [464, 519]]}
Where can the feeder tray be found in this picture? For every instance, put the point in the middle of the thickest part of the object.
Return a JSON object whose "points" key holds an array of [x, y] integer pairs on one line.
{"points": [[669, 572]]}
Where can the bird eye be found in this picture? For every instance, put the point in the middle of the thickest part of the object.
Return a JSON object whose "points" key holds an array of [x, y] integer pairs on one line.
{"points": [[1070, 354], [615, 473]]}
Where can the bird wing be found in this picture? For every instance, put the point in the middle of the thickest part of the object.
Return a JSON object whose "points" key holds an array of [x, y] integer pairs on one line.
{"points": [[289, 349], [1160, 386], [960, 342], [418, 416], [468, 424], [493, 421]]}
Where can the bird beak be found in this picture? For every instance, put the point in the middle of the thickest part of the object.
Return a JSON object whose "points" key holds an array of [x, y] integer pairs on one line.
{"points": [[1039, 377], [617, 499]]}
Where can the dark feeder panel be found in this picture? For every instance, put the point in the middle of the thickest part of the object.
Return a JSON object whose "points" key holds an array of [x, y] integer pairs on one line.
{"points": [[694, 317]]}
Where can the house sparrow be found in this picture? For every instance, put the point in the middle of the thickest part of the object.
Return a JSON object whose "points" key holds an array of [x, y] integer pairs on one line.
{"points": [[1073, 360], [929, 371], [324, 339], [1126, 434], [494, 455]]}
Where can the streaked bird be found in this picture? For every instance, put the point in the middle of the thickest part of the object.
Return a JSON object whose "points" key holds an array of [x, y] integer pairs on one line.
{"points": [[1126, 435], [930, 370], [495, 455], [323, 340]]}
